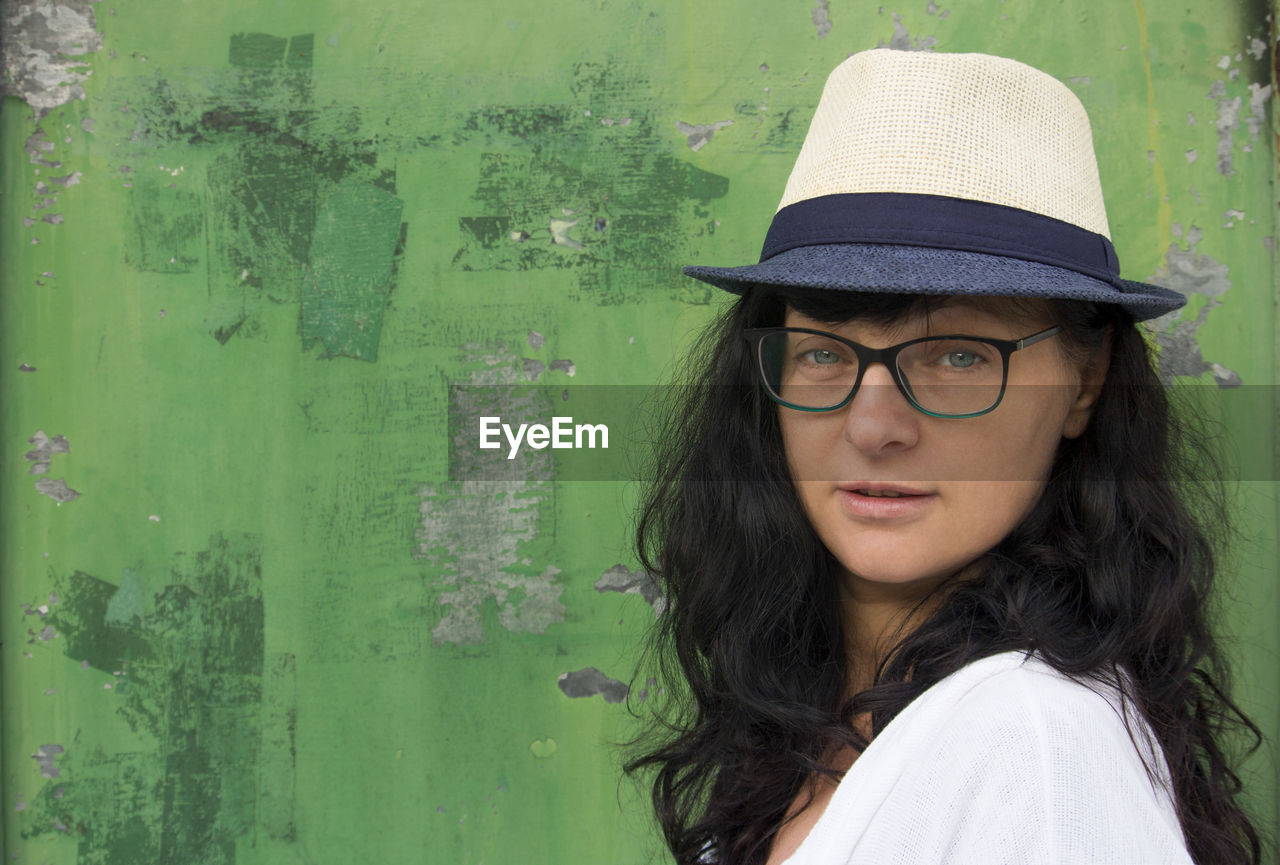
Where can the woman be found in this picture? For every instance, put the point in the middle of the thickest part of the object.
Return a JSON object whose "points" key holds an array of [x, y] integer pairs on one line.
{"points": [[934, 592]]}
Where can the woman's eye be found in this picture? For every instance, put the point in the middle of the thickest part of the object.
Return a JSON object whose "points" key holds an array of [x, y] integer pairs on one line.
{"points": [[960, 359], [820, 357]]}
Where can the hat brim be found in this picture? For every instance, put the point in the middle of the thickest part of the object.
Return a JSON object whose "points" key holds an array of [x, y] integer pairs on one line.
{"points": [[898, 268]]}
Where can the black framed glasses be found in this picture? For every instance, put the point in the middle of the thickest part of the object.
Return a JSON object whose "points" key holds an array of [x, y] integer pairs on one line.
{"points": [[951, 376]]}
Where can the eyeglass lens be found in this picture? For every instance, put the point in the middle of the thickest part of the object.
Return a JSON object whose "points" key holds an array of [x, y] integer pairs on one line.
{"points": [[943, 375]]}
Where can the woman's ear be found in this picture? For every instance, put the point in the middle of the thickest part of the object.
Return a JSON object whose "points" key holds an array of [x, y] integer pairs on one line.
{"points": [[1092, 376]]}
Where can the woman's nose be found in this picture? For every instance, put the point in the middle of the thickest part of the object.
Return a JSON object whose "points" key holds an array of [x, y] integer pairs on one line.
{"points": [[880, 419]]}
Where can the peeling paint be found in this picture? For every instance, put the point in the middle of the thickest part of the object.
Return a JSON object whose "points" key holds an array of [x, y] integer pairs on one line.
{"points": [[1191, 273], [1257, 119], [533, 368], [45, 448], [902, 41], [1228, 119], [279, 202], [563, 365], [622, 579], [649, 205], [588, 682], [36, 145], [41, 41], [560, 233], [821, 18], [45, 756], [473, 530], [698, 135], [536, 340], [188, 679]]}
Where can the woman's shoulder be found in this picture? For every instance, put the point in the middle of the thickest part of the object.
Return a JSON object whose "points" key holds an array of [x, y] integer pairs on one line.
{"points": [[1022, 752], [1005, 760], [1024, 680], [1018, 697]]}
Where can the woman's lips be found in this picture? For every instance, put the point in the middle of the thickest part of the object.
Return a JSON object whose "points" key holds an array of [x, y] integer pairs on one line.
{"points": [[910, 503]]}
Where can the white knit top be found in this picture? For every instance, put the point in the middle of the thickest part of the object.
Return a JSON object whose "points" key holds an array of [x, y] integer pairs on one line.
{"points": [[1004, 761]]}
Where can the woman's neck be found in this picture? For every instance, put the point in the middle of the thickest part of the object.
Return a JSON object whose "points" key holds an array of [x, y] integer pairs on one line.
{"points": [[878, 615]]}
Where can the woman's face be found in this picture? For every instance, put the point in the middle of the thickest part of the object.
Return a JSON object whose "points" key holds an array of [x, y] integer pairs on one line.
{"points": [[969, 480]]}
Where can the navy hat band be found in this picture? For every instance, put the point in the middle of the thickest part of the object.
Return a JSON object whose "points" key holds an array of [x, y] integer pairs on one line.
{"points": [[941, 221]]}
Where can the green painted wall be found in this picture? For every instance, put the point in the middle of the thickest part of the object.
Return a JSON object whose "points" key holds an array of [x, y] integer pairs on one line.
{"points": [[245, 249]]}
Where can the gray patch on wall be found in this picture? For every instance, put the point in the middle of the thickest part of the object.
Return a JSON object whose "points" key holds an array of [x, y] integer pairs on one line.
{"points": [[45, 756], [533, 368], [36, 145], [41, 41], [902, 40], [1228, 120], [622, 579], [45, 448], [821, 18], [699, 134], [1186, 271], [1258, 96], [471, 529], [56, 490], [588, 682]]}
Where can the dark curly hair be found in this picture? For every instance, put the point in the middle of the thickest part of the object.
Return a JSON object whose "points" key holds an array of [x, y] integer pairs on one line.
{"points": [[750, 647]]}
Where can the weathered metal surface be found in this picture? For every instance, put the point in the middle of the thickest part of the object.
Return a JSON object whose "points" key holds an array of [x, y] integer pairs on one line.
{"points": [[246, 615]]}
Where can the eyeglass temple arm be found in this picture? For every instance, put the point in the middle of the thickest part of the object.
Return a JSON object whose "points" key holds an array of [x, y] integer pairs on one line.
{"points": [[1036, 337]]}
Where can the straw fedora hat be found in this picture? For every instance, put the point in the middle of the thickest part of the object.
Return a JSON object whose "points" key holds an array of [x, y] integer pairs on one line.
{"points": [[945, 174]]}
